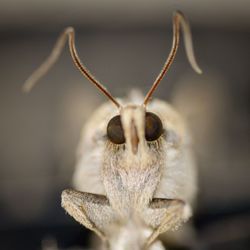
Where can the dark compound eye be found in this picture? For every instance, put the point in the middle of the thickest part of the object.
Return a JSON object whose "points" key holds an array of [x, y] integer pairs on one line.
{"points": [[153, 127], [115, 131]]}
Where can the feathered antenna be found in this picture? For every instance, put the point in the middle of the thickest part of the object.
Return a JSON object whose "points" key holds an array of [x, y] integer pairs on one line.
{"points": [[178, 19], [53, 57]]}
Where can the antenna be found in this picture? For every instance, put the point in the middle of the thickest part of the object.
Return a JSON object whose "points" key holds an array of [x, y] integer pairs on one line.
{"points": [[53, 57], [178, 19]]}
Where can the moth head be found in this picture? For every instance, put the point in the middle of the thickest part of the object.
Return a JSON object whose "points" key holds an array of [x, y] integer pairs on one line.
{"points": [[134, 128], [134, 125]]}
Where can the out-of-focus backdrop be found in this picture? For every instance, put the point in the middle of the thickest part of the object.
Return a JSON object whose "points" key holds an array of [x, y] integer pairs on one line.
{"points": [[124, 43]]}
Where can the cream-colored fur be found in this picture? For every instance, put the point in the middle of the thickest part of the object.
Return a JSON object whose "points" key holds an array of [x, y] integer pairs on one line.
{"points": [[164, 170], [178, 179]]}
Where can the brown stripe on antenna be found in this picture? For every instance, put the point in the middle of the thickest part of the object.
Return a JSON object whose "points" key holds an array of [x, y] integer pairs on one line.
{"points": [[178, 19], [53, 57]]}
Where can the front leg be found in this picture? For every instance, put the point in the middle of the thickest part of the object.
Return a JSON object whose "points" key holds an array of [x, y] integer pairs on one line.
{"points": [[165, 214], [91, 210]]}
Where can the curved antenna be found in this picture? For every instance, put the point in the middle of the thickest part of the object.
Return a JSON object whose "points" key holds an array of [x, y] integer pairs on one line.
{"points": [[178, 19], [53, 57]]}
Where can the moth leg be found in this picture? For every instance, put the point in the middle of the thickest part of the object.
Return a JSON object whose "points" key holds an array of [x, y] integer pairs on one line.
{"points": [[165, 214], [91, 210]]}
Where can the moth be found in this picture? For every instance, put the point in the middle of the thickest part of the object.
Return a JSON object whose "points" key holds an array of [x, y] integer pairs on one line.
{"points": [[135, 176]]}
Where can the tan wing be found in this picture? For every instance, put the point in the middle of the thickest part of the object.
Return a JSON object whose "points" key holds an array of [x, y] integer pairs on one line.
{"points": [[163, 215], [91, 210]]}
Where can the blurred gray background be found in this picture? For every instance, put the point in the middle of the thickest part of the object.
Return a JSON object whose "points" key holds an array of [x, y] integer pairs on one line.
{"points": [[124, 44]]}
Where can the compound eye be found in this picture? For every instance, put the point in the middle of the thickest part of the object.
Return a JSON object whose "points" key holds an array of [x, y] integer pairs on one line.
{"points": [[115, 131], [153, 127]]}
